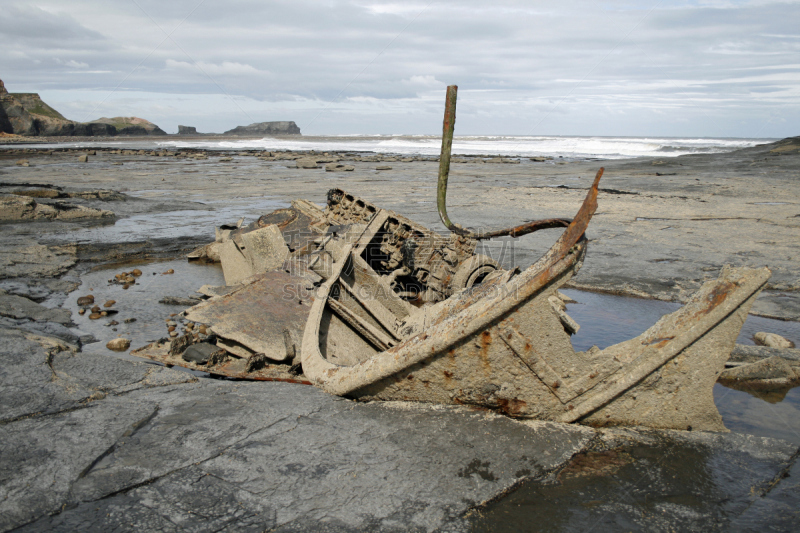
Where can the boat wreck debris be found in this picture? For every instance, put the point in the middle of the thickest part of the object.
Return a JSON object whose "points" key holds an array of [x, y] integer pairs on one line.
{"points": [[367, 304]]}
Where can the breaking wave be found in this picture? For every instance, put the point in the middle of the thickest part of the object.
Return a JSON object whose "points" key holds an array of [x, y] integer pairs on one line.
{"points": [[570, 147]]}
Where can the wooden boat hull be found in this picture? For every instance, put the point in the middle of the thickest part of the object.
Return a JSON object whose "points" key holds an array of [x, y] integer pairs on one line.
{"points": [[503, 345]]}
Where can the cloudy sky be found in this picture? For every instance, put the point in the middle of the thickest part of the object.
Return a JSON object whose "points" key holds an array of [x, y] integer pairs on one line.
{"points": [[713, 68]]}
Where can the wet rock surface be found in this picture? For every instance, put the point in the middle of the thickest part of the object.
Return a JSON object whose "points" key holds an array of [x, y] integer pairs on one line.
{"points": [[130, 434], [667, 481], [94, 441]]}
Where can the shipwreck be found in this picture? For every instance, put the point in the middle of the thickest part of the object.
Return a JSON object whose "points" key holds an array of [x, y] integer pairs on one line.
{"points": [[367, 304]]}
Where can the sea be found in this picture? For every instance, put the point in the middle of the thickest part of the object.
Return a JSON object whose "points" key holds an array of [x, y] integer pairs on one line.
{"points": [[571, 147]]}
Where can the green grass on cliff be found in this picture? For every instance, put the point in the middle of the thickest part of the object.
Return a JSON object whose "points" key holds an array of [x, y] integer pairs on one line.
{"points": [[46, 111], [32, 103]]}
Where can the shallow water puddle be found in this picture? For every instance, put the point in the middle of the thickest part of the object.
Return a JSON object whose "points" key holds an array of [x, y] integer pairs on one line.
{"points": [[188, 223], [139, 301]]}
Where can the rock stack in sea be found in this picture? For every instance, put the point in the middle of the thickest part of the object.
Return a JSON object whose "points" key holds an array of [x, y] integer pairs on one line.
{"points": [[284, 127]]}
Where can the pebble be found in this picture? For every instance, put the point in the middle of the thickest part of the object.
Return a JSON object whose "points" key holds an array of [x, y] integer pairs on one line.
{"points": [[86, 300], [202, 330], [81, 311], [94, 316], [119, 344], [772, 340], [136, 272], [129, 320], [170, 271], [173, 333], [125, 286], [96, 309], [171, 329], [109, 303]]}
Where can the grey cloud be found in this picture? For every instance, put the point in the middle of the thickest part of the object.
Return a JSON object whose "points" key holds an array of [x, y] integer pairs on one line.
{"points": [[24, 24], [524, 62]]}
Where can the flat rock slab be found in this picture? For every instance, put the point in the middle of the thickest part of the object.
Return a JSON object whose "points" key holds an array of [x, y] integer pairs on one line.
{"points": [[12, 306], [660, 481], [259, 456], [43, 375], [35, 260], [95, 442]]}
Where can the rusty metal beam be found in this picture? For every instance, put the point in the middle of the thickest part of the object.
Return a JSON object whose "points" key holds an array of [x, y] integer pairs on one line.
{"points": [[448, 127]]}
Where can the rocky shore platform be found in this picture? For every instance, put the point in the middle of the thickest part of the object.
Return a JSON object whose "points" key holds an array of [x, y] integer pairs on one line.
{"points": [[96, 441]]}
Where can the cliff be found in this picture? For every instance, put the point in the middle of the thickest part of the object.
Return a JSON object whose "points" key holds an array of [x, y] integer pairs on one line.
{"points": [[286, 127], [130, 126], [27, 114]]}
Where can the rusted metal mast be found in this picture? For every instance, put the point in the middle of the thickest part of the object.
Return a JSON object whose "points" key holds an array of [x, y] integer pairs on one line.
{"points": [[448, 127]]}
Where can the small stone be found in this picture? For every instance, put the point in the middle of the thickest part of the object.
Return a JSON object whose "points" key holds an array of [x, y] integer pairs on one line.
{"points": [[772, 368], [129, 320], [86, 300], [171, 329], [189, 325], [109, 303], [306, 163], [119, 344], [94, 316], [173, 333], [125, 286], [136, 272], [113, 323], [772, 340], [202, 330], [81, 311], [96, 309], [170, 271], [83, 159], [23, 163], [200, 353], [383, 167], [103, 313]]}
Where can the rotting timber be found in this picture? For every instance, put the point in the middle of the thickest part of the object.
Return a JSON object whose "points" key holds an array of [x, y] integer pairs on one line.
{"points": [[364, 303]]}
